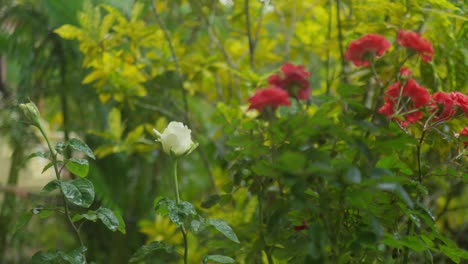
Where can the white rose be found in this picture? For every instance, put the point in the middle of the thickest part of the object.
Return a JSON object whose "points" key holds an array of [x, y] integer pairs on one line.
{"points": [[176, 139]]}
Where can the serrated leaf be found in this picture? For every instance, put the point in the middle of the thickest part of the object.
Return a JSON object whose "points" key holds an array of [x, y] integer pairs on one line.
{"points": [[218, 259], [148, 250], [108, 218], [224, 228], [80, 146], [79, 167], [178, 213], [79, 192]]}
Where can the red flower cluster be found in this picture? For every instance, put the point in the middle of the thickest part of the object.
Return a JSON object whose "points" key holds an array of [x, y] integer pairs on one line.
{"points": [[362, 49], [292, 81], [414, 41], [405, 101], [271, 96], [461, 101], [446, 105], [464, 132]]}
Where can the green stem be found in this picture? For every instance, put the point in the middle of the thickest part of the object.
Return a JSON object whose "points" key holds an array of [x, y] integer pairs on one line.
{"points": [[53, 155], [420, 178], [176, 183], [182, 228], [419, 155]]}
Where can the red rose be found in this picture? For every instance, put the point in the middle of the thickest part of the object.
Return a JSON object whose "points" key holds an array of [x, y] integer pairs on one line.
{"points": [[413, 97], [414, 41], [361, 49], [293, 79], [461, 101], [444, 106], [271, 96]]}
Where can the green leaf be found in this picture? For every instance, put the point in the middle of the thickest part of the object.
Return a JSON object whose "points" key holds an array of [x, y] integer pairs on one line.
{"points": [[211, 201], [79, 192], [224, 228], [90, 215], [50, 257], [52, 185], [75, 256], [148, 250], [60, 147], [454, 253], [45, 155], [46, 167], [22, 220], [108, 218], [178, 213], [57, 257], [218, 259], [79, 167], [353, 175], [349, 90], [398, 190], [80, 146], [391, 162]]}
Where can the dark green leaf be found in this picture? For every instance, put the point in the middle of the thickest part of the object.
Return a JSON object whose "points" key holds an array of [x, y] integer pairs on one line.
{"points": [[52, 185], [57, 257], [218, 259], [224, 228], [178, 213], [90, 215], [45, 155], [75, 256], [50, 257], [79, 192], [46, 167], [398, 190], [211, 201], [148, 250], [108, 218], [80, 146], [79, 167], [22, 220]]}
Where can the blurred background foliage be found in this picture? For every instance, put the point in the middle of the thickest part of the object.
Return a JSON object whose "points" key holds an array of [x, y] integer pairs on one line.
{"points": [[135, 65]]}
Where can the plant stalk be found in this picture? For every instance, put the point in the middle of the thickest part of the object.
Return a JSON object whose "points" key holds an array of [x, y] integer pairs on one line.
{"points": [[53, 154], [182, 228]]}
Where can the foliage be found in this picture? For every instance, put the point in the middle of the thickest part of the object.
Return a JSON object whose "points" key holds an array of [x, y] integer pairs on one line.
{"points": [[322, 178]]}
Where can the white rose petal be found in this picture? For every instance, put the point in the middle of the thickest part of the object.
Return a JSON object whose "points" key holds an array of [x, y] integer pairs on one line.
{"points": [[176, 139]]}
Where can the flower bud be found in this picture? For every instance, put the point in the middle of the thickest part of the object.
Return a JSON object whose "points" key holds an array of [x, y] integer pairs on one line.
{"points": [[176, 139], [31, 113]]}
